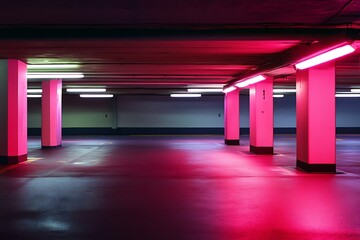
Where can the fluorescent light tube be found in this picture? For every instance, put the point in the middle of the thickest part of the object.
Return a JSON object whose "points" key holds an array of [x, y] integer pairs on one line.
{"points": [[355, 90], [96, 95], [54, 75], [278, 95], [52, 66], [185, 95], [229, 89], [205, 90], [346, 95], [79, 90], [34, 91], [284, 90], [325, 57], [250, 81], [34, 96]]}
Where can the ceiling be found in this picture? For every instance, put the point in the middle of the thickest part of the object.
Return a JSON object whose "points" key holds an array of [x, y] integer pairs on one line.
{"points": [[148, 47]]}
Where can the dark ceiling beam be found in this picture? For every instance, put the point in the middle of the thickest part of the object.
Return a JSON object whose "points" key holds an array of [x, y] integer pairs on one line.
{"points": [[50, 32], [298, 53]]}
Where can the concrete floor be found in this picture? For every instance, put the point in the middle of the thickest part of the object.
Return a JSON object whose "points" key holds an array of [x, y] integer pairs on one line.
{"points": [[177, 188]]}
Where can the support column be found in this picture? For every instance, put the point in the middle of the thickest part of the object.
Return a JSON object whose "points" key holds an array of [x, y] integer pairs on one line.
{"points": [[51, 114], [315, 119], [232, 118], [13, 112], [262, 118]]}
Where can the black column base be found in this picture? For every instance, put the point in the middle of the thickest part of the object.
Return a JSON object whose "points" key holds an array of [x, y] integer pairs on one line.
{"points": [[316, 168], [262, 150], [232, 142], [7, 160], [50, 147]]}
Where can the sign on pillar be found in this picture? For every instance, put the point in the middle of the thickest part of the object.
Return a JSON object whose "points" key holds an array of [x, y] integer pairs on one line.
{"points": [[51, 123], [13, 112]]}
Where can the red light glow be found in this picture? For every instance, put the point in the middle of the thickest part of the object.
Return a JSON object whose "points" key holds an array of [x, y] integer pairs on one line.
{"points": [[325, 57]]}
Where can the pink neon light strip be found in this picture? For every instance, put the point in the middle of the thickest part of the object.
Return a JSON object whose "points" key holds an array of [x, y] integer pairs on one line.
{"points": [[325, 57], [250, 81]]}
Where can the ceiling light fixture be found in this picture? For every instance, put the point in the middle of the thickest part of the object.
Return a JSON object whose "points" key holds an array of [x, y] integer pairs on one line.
{"points": [[52, 66], [346, 95], [250, 81], [278, 95], [355, 90], [34, 91], [34, 96], [284, 90], [185, 95], [229, 89], [79, 90], [325, 57], [96, 95], [204, 90], [54, 75]]}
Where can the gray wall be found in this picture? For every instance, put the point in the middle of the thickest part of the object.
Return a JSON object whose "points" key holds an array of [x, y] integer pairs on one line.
{"points": [[77, 112], [285, 111], [34, 112], [130, 111], [164, 111], [348, 112]]}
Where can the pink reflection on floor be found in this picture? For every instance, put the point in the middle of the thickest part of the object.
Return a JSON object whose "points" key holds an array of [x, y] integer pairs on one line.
{"points": [[179, 188]]}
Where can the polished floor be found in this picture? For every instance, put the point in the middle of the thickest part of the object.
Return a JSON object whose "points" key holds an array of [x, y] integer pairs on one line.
{"points": [[176, 187]]}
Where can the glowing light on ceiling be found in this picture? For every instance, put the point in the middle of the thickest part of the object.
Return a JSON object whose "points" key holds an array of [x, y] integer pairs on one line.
{"points": [[346, 95], [52, 66], [229, 89], [284, 90], [34, 96], [205, 90], [54, 75], [250, 81], [355, 90], [96, 95], [278, 95], [34, 91], [325, 57], [79, 90], [185, 95]]}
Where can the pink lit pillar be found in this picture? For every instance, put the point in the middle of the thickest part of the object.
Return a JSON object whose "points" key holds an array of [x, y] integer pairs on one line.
{"points": [[232, 118], [51, 114], [13, 112], [262, 118], [315, 119]]}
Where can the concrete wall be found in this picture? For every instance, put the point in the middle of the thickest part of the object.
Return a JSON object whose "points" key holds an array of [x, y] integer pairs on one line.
{"points": [[347, 112], [130, 111], [77, 112], [164, 111]]}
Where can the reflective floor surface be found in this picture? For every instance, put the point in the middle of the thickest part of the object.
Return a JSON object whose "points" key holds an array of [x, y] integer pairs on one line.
{"points": [[177, 187]]}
